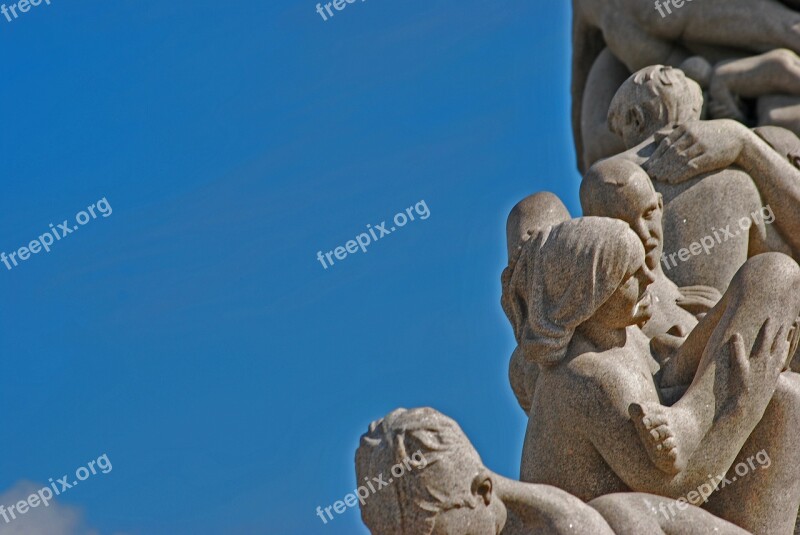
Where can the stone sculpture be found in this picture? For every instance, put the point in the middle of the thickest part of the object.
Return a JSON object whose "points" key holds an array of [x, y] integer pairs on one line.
{"points": [[582, 328], [532, 214], [454, 493], [695, 164], [655, 360], [614, 38]]}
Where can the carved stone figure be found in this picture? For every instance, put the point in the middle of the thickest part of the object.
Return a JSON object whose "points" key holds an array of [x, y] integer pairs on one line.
{"points": [[722, 185], [579, 318], [656, 336], [451, 492], [614, 38], [531, 215]]}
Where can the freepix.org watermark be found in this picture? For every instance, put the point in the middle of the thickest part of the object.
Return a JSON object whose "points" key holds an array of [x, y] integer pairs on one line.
{"points": [[23, 6], [338, 5], [374, 234], [56, 233], [699, 496], [718, 237], [45, 495], [416, 461], [665, 4]]}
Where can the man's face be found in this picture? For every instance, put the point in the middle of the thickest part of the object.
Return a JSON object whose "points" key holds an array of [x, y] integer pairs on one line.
{"points": [[639, 205]]}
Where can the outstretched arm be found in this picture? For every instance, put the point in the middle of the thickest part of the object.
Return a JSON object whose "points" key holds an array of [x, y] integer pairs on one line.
{"points": [[700, 147]]}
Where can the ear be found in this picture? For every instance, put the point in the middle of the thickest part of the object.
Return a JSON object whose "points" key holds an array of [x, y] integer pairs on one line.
{"points": [[482, 487], [636, 118], [660, 202]]}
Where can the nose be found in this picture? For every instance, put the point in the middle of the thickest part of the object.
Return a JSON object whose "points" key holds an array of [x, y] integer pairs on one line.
{"points": [[641, 231]]}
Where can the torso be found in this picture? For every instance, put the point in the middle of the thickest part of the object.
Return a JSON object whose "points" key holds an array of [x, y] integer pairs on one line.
{"points": [[557, 451]]}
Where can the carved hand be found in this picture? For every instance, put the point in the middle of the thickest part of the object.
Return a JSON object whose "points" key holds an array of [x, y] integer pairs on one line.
{"points": [[694, 148]]}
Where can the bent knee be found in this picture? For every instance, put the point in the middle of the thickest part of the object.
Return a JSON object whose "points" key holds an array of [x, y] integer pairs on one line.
{"points": [[772, 273]]}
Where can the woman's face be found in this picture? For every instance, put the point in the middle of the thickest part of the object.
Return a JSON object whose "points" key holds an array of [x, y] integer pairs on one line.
{"points": [[630, 304]]}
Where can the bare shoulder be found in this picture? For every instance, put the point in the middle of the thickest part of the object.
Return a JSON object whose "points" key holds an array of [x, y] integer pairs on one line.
{"points": [[613, 378], [607, 368]]}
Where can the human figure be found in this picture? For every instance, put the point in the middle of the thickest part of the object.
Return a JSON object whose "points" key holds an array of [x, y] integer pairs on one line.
{"points": [[447, 490], [620, 189], [532, 214], [725, 204], [580, 294], [688, 153], [613, 38]]}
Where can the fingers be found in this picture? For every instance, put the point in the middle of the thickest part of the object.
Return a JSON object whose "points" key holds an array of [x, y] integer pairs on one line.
{"points": [[781, 339], [670, 161], [664, 133], [738, 352], [780, 347], [764, 339], [683, 142], [666, 141]]}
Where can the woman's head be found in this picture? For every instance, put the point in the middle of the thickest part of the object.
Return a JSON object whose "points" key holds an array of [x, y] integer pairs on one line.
{"points": [[566, 275]]}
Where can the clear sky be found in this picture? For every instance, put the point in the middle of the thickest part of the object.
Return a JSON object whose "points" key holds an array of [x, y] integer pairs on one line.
{"points": [[192, 335]]}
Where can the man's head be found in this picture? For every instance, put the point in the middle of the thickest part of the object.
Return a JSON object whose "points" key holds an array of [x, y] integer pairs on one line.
{"points": [[651, 99], [453, 493], [534, 212], [620, 189]]}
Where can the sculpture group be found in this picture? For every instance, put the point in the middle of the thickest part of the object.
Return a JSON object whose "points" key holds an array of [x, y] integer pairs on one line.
{"points": [[657, 335]]}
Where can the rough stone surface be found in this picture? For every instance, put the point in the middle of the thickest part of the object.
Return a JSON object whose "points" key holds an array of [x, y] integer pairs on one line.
{"points": [[449, 491], [656, 336]]}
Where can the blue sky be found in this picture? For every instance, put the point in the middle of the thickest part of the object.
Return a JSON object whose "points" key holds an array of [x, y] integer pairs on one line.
{"points": [[192, 335]]}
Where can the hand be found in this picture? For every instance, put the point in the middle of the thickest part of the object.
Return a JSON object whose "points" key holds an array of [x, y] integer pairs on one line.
{"points": [[694, 148], [752, 380], [698, 300]]}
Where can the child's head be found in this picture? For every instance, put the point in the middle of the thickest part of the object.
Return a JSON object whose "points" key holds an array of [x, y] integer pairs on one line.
{"points": [[651, 99]]}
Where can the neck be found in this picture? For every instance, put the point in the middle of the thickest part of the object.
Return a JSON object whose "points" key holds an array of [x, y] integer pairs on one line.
{"points": [[600, 337], [543, 509]]}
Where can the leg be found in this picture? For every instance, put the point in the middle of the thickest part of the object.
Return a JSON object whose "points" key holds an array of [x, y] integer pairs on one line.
{"points": [[775, 72], [744, 24], [765, 287], [763, 493]]}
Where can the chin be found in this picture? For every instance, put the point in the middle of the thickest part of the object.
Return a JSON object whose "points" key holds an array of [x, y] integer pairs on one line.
{"points": [[642, 316], [651, 259]]}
